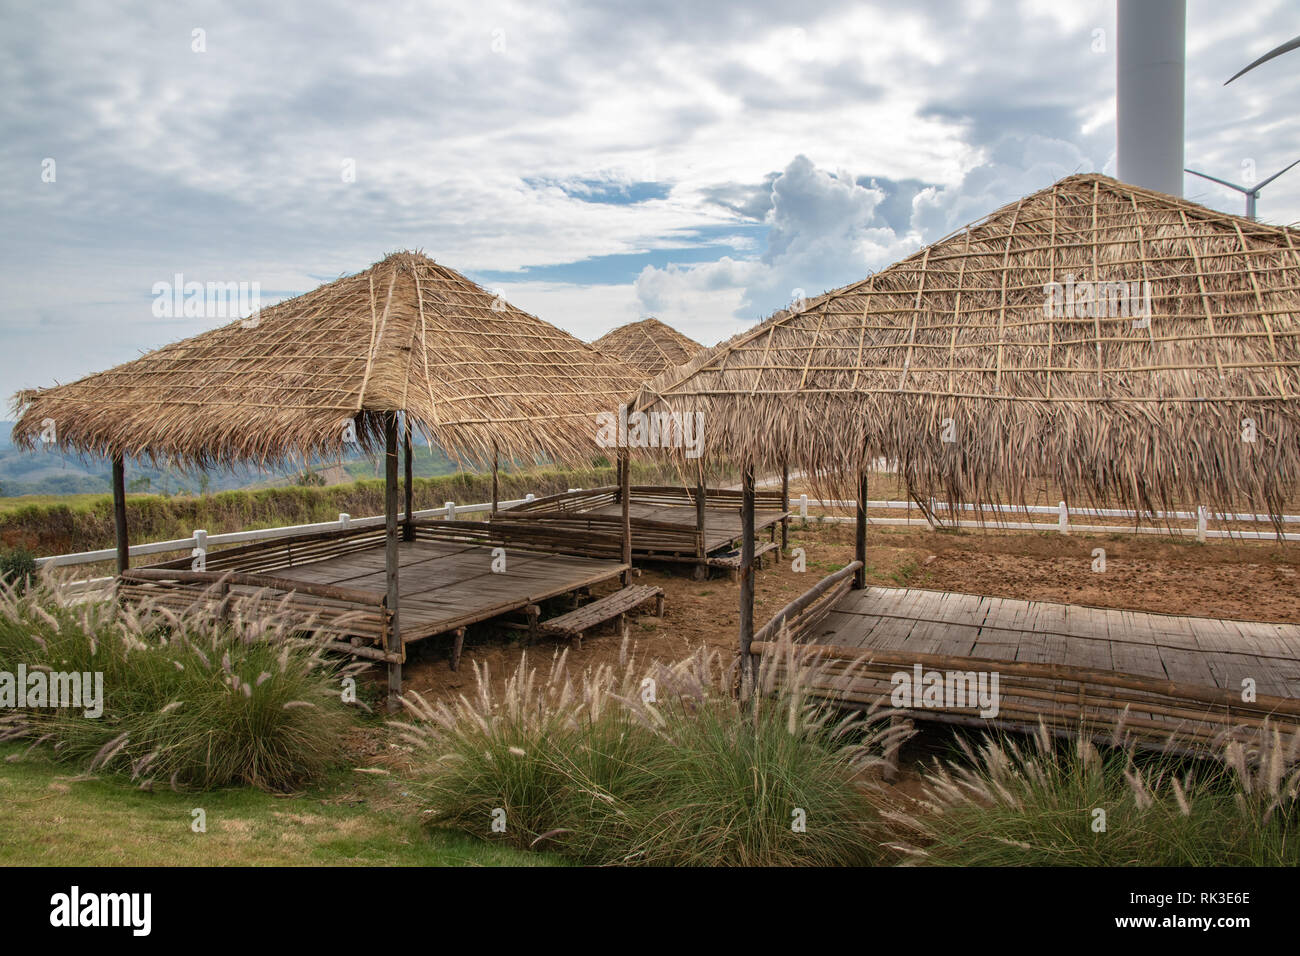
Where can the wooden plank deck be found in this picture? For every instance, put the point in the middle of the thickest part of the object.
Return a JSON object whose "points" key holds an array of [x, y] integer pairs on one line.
{"points": [[721, 524], [447, 585], [1197, 651], [1156, 680]]}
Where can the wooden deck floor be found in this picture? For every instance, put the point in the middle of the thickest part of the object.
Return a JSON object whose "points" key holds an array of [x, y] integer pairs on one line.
{"points": [[721, 525], [1187, 650], [448, 585]]}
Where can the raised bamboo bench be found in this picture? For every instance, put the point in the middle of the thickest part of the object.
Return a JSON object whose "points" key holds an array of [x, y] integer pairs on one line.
{"points": [[731, 562], [616, 605]]}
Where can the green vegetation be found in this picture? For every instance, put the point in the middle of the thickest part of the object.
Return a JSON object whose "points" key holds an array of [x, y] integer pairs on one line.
{"points": [[903, 574], [350, 819], [195, 703], [85, 523], [17, 568], [660, 768], [1047, 803]]}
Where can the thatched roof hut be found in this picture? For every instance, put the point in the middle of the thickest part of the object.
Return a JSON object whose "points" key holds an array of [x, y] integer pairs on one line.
{"points": [[1121, 343], [649, 345], [469, 370]]}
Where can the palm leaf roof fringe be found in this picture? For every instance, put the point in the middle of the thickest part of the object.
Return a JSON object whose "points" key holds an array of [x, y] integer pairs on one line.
{"points": [[469, 370], [948, 362], [649, 346]]}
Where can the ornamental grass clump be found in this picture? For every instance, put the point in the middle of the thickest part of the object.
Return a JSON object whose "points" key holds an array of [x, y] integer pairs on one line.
{"points": [[651, 765], [1044, 802], [189, 700]]}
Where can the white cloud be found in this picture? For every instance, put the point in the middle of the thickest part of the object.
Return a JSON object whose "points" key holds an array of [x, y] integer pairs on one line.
{"points": [[226, 164]]}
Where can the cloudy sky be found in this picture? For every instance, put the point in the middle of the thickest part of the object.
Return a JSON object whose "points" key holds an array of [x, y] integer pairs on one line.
{"points": [[597, 163]]}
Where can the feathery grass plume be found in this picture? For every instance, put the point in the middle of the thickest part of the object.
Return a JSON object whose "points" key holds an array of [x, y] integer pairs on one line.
{"points": [[165, 707], [648, 764], [1053, 803]]}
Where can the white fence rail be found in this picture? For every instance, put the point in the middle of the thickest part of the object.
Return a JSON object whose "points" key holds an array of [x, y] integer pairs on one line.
{"points": [[1162, 522]]}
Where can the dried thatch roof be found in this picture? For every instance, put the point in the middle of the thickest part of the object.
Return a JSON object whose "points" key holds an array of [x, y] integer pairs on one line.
{"points": [[954, 342], [649, 345], [407, 334]]}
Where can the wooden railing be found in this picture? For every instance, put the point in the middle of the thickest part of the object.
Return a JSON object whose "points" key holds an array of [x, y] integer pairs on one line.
{"points": [[809, 609]]}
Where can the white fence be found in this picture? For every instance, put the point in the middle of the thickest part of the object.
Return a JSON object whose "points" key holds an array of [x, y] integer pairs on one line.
{"points": [[1162, 522], [201, 541]]}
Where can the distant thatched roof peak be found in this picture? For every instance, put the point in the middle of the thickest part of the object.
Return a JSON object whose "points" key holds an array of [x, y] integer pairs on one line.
{"points": [[1108, 338], [648, 345], [469, 369]]}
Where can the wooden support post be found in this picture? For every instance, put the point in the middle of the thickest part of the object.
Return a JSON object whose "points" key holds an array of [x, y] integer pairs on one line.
{"points": [[747, 662], [408, 527], [860, 544], [896, 724], [785, 506], [701, 532], [618, 495], [457, 645], [701, 499], [496, 487], [625, 495], [394, 642], [119, 513]]}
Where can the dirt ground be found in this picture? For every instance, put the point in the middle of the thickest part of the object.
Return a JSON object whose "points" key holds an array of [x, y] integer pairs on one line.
{"points": [[1257, 581]]}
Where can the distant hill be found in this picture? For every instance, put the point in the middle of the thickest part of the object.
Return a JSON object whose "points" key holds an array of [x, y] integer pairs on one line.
{"points": [[56, 473]]}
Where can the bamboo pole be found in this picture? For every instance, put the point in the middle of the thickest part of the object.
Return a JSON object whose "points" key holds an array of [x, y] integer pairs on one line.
{"points": [[393, 644], [625, 496], [748, 663], [408, 528], [860, 542], [119, 513], [496, 488], [358, 650], [700, 490], [785, 507], [1054, 672], [769, 630]]}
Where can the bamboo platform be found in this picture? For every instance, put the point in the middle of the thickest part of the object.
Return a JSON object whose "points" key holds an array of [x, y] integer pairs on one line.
{"points": [[665, 520], [336, 581], [445, 586], [1160, 676]]}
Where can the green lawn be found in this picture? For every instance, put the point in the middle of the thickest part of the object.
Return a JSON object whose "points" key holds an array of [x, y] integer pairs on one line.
{"points": [[49, 816], [75, 502]]}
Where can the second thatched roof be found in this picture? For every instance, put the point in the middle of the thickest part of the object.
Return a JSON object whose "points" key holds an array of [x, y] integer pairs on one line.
{"points": [[469, 370], [649, 345], [1008, 354]]}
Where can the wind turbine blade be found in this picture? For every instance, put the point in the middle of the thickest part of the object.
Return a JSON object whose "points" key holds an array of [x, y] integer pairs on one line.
{"points": [[1221, 182], [1275, 175], [1284, 48]]}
